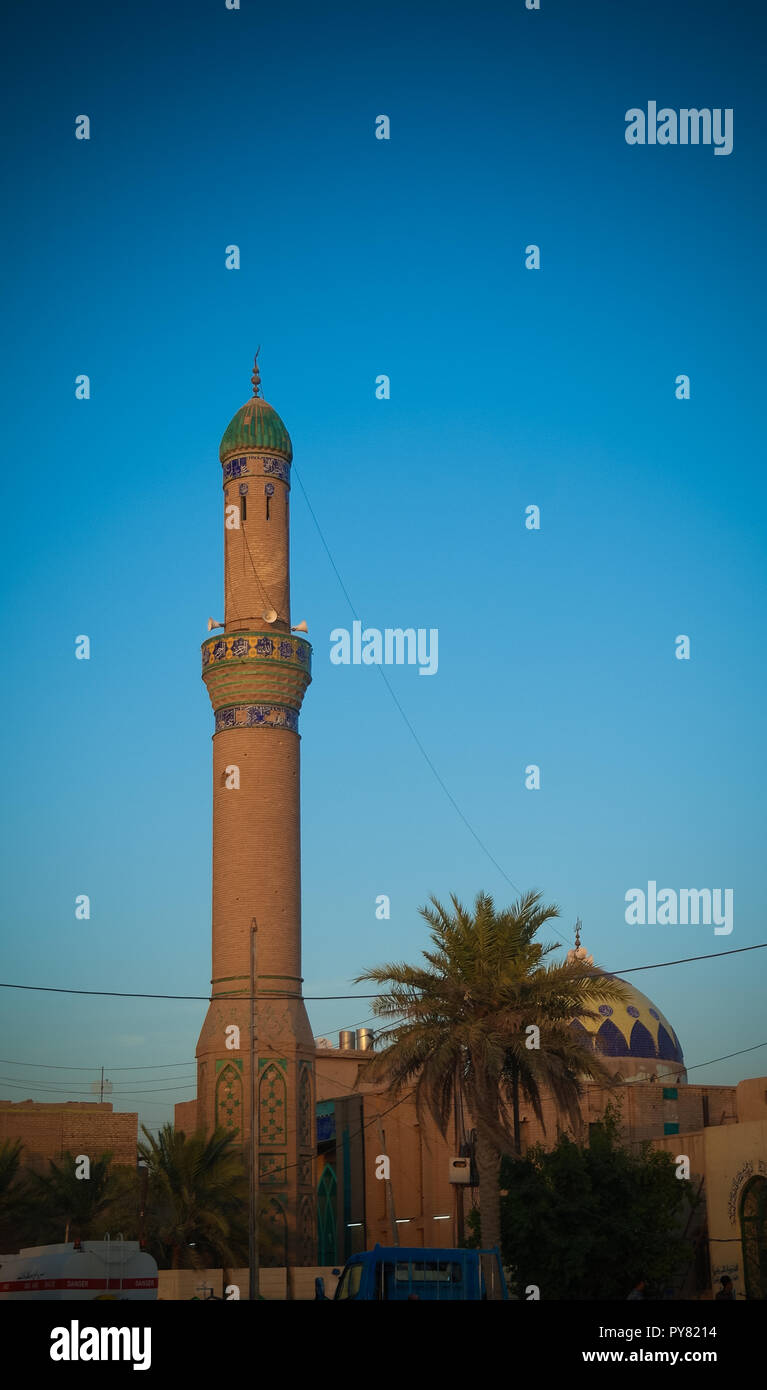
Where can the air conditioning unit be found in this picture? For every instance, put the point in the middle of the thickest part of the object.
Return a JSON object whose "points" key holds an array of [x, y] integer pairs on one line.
{"points": [[460, 1170]]}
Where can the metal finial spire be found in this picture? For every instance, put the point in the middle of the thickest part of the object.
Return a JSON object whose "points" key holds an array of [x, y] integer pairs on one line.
{"points": [[577, 933], [256, 377]]}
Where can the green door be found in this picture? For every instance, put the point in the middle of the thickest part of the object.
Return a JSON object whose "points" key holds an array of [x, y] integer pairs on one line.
{"points": [[326, 1216]]}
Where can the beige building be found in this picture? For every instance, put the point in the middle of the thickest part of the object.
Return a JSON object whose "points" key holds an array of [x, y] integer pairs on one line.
{"points": [[728, 1162], [722, 1130]]}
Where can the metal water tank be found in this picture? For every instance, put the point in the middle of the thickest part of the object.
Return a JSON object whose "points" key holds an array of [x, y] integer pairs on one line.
{"points": [[346, 1040], [365, 1041]]}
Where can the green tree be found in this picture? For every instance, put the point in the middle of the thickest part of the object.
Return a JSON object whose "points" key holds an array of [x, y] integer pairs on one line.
{"points": [[121, 1217], [10, 1164], [466, 1019], [585, 1221], [69, 1207], [15, 1200], [198, 1199]]}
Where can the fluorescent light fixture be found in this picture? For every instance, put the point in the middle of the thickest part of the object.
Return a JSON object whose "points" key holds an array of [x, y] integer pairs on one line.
{"points": [[353, 1223], [405, 1221], [441, 1218]]}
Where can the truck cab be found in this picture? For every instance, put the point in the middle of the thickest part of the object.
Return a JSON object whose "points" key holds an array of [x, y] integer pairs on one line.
{"points": [[414, 1274]]}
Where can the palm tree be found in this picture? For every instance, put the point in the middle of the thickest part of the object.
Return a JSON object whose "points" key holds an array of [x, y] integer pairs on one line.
{"points": [[17, 1205], [198, 1198], [72, 1201], [10, 1162], [468, 1022]]}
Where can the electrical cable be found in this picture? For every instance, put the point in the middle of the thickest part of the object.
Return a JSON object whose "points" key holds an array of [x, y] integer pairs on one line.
{"points": [[53, 1066], [315, 998], [412, 731]]}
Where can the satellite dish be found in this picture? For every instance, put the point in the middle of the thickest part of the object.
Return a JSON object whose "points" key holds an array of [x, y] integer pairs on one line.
{"points": [[269, 615]]}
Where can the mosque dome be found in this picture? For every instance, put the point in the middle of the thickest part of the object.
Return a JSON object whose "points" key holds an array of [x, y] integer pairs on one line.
{"points": [[633, 1037], [256, 426]]}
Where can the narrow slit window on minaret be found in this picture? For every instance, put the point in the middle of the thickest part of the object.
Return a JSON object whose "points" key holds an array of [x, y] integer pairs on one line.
{"points": [[269, 490], [243, 501]]}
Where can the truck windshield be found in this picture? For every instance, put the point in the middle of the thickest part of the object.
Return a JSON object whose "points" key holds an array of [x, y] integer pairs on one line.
{"points": [[349, 1283], [422, 1279]]}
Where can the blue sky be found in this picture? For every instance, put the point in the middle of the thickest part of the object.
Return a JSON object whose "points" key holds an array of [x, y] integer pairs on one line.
{"points": [[509, 387]]}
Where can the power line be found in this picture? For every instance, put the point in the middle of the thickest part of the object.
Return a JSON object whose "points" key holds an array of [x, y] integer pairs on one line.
{"points": [[317, 998], [611, 1086], [52, 1066], [72, 1091], [407, 722], [687, 960]]}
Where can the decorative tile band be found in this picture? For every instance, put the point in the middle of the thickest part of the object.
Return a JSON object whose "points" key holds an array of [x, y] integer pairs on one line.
{"points": [[257, 646], [256, 466], [256, 717]]}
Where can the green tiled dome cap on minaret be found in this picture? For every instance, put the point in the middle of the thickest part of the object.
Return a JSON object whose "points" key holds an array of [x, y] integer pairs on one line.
{"points": [[256, 426]]}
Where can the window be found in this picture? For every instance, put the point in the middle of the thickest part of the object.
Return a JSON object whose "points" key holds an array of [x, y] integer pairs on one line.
{"points": [[349, 1283], [670, 1093], [670, 1128], [432, 1271]]}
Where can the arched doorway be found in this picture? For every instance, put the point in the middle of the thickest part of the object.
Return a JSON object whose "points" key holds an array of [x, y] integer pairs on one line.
{"points": [[753, 1228]]}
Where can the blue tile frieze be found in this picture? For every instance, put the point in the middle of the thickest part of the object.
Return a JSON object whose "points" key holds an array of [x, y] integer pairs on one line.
{"points": [[256, 646], [257, 716], [256, 466]]}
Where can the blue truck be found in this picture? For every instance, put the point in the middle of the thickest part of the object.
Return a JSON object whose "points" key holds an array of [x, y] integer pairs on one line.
{"points": [[415, 1274]]}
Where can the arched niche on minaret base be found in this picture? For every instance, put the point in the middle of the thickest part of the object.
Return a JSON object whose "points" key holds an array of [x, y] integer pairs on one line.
{"points": [[228, 1099]]}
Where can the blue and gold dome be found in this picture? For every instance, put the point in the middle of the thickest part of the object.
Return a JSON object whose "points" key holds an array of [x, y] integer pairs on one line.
{"points": [[256, 426], [633, 1034]]}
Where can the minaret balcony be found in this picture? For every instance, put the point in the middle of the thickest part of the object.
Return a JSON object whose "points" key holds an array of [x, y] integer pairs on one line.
{"points": [[256, 668]]}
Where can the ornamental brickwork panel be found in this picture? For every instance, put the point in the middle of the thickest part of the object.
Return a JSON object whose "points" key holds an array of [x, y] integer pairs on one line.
{"points": [[305, 1107], [272, 1105], [229, 1095]]}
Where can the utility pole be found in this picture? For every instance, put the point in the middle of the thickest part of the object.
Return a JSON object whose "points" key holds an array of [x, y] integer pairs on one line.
{"points": [[101, 1092], [143, 1185], [388, 1186], [457, 1187], [253, 1185]]}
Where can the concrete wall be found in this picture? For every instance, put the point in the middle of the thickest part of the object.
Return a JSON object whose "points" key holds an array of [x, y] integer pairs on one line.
{"points": [[276, 1285], [337, 1072], [751, 1099]]}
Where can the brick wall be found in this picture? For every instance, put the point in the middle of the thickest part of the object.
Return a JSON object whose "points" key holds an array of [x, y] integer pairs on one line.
{"points": [[48, 1131]]}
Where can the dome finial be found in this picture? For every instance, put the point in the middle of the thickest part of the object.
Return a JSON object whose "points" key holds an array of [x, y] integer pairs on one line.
{"points": [[579, 953], [256, 377]]}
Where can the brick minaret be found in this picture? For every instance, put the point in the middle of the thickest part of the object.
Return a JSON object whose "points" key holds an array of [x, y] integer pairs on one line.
{"points": [[257, 672]]}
